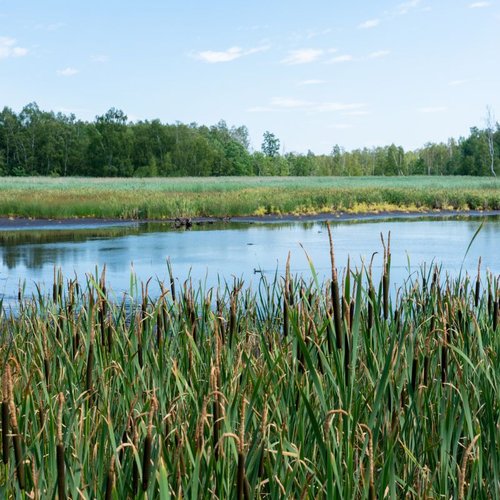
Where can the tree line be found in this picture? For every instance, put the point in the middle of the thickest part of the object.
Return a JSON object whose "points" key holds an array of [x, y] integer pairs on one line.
{"points": [[35, 142]]}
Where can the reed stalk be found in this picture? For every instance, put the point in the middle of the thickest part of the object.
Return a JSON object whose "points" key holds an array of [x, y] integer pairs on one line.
{"points": [[61, 488]]}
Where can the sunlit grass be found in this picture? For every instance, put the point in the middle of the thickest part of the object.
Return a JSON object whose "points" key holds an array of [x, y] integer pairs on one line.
{"points": [[240, 196]]}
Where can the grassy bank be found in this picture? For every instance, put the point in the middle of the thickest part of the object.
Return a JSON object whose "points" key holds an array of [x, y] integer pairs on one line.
{"points": [[294, 390], [239, 196]]}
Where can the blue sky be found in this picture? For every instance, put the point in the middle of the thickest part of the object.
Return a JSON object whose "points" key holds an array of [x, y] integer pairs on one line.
{"points": [[317, 73]]}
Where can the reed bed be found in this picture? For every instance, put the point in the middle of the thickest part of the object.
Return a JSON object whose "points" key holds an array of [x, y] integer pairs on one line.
{"points": [[237, 196], [296, 389]]}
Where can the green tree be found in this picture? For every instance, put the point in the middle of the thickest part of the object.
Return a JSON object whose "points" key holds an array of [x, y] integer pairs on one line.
{"points": [[270, 145], [110, 145]]}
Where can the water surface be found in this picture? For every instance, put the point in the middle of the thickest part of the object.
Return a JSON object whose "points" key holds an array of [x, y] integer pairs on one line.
{"points": [[218, 252]]}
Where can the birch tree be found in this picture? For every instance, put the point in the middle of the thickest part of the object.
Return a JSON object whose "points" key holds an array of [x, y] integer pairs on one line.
{"points": [[490, 129]]}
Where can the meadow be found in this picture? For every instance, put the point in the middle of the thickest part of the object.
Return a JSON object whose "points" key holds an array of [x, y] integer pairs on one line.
{"points": [[168, 198], [292, 390]]}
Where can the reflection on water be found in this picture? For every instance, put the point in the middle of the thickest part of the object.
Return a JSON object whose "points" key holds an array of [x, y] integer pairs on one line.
{"points": [[209, 251]]}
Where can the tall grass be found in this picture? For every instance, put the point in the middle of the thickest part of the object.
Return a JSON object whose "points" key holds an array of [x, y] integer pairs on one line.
{"points": [[221, 197], [206, 393]]}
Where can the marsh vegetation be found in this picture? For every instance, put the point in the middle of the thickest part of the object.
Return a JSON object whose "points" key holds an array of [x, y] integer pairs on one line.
{"points": [[295, 388], [240, 196]]}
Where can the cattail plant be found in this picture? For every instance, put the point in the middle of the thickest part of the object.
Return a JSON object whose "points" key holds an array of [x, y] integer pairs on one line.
{"points": [[5, 413], [111, 479], [172, 281], [215, 382], [478, 284], [463, 468], [199, 437], [444, 350], [420, 383], [371, 294], [102, 307], [242, 486], [135, 467], [263, 433], [496, 312], [386, 273], [148, 445], [90, 360], [46, 360], [61, 489], [111, 476], [232, 314], [286, 290], [54, 287], [371, 489], [337, 314], [16, 436]]}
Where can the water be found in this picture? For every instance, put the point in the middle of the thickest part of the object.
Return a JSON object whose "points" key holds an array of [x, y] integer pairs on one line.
{"points": [[214, 253]]}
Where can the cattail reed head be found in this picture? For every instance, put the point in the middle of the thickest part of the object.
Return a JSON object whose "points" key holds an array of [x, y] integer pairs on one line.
{"points": [[496, 312], [463, 468], [371, 490], [336, 304], [329, 418], [386, 273], [111, 479], [241, 443], [444, 349], [148, 445], [5, 413], [478, 284], [60, 450], [60, 400], [200, 426], [16, 437], [332, 253]]}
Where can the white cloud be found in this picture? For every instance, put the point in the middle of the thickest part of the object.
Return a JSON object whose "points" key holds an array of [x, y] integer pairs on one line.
{"points": [[303, 56], [9, 48], [479, 5], [50, 27], [314, 34], [256, 50], [405, 7], [359, 112], [99, 58], [311, 82], [255, 27], [69, 71], [340, 126], [378, 54], [432, 109], [291, 104], [371, 23], [213, 56], [456, 83], [259, 109], [338, 106], [341, 59]]}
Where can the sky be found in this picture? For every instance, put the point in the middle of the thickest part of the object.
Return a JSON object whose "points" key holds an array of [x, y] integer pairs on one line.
{"points": [[316, 73]]}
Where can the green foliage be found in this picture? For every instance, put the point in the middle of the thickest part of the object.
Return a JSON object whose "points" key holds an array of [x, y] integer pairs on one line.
{"points": [[232, 196], [206, 393], [270, 145], [36, 142]]}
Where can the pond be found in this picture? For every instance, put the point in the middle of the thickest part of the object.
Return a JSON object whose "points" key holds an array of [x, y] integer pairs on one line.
{"points": [[217, 252]]}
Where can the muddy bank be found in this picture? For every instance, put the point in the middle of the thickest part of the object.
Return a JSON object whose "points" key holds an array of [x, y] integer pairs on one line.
{"points": [[19, 223]]}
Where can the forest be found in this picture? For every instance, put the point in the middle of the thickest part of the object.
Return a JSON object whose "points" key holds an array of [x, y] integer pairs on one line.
{"points": [[34, 142]]}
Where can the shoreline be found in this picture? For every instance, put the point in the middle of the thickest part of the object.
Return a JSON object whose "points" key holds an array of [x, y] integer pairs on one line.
{"points": [[20, 223]]}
